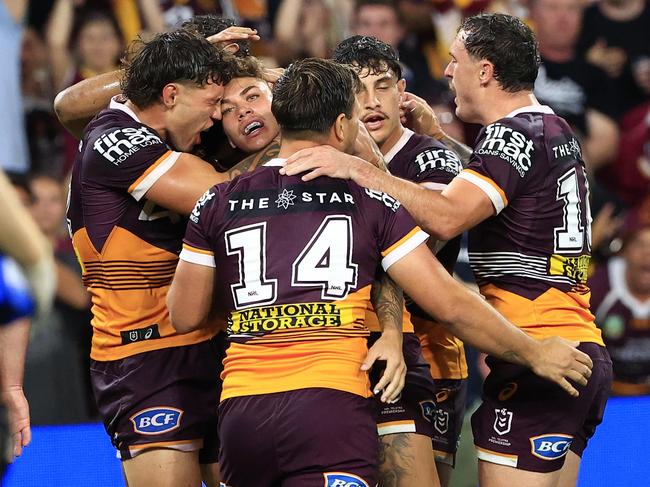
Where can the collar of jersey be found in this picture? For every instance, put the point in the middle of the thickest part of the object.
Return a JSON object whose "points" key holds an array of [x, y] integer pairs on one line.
{"points": [[117, 105], [399, 145], [275, 162], [531, 109]]}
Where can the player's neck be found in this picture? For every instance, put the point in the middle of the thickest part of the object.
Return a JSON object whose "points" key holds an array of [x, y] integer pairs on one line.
{"points": [[289, 147], [392, 139], [503, 103], [152, 116]]}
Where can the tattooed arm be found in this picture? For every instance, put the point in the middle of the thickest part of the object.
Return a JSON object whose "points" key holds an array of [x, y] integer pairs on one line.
{"points": [[463, 151], [255, 160], [388, 301]]}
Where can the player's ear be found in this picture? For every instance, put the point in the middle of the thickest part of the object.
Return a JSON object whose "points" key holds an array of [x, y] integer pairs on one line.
{"points": [[486, 71], [340, 128], [401, 88], [169, 94]]}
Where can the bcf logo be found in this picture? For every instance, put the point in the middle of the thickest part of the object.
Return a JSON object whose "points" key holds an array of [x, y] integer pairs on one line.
{"points": [[503, 421], [153, 421], [339, 479], [550, 447]]}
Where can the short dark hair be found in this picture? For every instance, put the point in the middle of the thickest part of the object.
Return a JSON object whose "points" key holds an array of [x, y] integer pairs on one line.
{"points": [[178, 56], [365, 52], [508, 44], [312, 93], [211, 24], [247, 67]]}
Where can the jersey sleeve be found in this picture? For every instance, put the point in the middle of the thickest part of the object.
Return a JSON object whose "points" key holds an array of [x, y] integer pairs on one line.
{"points": [[502, 161], [197, 244], [398, 232], [129, 158], [435, 167]]}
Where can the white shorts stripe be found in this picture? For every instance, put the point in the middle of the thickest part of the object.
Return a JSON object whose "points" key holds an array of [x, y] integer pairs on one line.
{"points": [[507, 460], [391, 429]]}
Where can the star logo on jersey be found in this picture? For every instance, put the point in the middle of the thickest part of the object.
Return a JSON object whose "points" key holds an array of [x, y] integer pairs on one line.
{"points": [[575, 148], [285, 199]]}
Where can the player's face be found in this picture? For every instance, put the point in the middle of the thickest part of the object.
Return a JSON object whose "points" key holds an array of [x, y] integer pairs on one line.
{"points": [[194, 111], [246, 114], [463, 74], [379, 100], [637, 255], [557, 22]]}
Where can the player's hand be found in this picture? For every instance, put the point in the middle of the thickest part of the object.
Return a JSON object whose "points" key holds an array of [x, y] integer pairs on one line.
{"points": [[416, 114], [322, 160], [272, 75], [389, 348], [560, 361], [18, 411], [227, 38], [366, 148]]}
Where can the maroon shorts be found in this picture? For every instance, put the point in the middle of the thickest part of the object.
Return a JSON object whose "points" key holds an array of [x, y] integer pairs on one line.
{"points": [[303, 438], [165, 398], [412, 412], [447, 418], [530, 423]]}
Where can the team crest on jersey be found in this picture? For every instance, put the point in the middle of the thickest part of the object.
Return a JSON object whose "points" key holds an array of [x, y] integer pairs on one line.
{"points": [[510, 145], [503, 421], [156, 420], [203, 200], [340, 479], [118, 145]]}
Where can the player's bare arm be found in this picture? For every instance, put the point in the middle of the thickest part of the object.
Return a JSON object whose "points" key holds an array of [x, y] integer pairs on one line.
{"points": [[388, 301], [253, 161], [444, 215], [418, 115], [470, 318], [78, 104], [190, 296]]}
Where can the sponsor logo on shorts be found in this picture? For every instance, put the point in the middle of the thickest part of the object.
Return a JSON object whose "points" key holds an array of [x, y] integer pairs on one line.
{"points": [[508, 391], [141, 334], [340, 479], [442, 395], [118, 145], [428, 410], [510, 145], [156, 420], [550, 447], [203, 200], [503, 421]]}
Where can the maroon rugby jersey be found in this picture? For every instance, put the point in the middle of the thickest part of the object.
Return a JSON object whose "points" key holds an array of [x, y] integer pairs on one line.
{"points": [[625, 323], [295, 262], [427, 161], [530, 259], [127, 246]]}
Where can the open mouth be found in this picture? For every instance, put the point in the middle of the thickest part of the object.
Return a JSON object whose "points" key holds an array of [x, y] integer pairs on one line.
{"points": [[374, 121], [253, 128]]}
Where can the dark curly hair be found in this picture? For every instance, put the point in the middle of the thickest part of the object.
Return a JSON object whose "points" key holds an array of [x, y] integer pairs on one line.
{"points": [[178, 56], [508, 44], [211, 24], [365, 52]]}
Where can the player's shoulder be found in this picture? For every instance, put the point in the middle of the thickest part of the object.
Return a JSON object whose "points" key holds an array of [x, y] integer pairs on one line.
{"points": [[423, 155]]}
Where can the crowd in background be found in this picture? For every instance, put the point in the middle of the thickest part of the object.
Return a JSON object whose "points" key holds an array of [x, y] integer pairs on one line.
{"points": [[595, 72]]}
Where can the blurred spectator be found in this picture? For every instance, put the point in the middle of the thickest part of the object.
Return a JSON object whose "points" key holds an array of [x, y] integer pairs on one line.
{"points": [[13, 142], [57, 360], [309, 28], [629, 176], [616, 37], [621, 302], [579, 92], [382, 19]]}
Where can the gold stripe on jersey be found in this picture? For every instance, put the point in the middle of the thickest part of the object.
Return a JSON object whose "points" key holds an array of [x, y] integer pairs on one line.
{"points": [[149, 170], [401, 241], [372, 321], [197, 250], [443, 351], [298, 345], [553, 313], [129, 294]]}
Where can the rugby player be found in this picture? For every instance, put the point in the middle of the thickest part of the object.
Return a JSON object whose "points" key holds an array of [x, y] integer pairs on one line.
{"points": [[408, 428], [525, 198], [129, 185], [296, 260]]}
